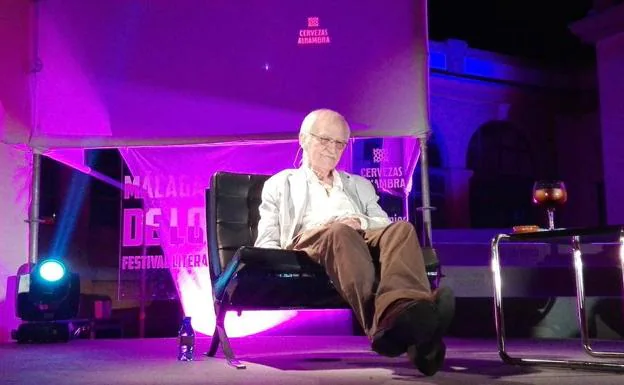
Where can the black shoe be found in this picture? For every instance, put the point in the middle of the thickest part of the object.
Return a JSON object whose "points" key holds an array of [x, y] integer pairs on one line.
{"points": [[385, 344], [429, 356], [415, 325]]}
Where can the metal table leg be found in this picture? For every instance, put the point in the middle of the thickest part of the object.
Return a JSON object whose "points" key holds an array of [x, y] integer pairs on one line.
{"points": [[498, 297], [500, 326], [580, 299]]}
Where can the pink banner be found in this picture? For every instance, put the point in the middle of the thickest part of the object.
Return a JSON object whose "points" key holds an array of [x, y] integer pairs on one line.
{"points": [[164, 224]]}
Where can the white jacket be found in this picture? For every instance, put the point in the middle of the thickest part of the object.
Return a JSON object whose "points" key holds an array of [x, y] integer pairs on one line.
{"points": [[284, 198]]}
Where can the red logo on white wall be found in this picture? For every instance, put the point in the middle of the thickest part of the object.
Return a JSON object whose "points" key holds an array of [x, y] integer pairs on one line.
{"points": [[313, 35]]}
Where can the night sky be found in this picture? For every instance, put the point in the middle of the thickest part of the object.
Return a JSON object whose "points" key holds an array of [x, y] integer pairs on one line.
{"points": [[534, 29]]}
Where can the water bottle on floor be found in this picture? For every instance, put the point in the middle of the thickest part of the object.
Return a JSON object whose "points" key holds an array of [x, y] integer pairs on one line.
{"points": [[186, 339]]}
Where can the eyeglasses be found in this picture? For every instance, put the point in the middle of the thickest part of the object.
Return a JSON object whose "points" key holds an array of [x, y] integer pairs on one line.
{"points": [[325, 141]]}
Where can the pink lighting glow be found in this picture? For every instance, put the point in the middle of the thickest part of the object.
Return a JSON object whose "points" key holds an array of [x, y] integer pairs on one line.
{"points": [[196, 294], [67, 98]]}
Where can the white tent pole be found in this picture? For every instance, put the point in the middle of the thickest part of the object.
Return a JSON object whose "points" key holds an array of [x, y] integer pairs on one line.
{"points": [[35, 185], [427, 242], [426, 197], [33, 219], [429, 253]]}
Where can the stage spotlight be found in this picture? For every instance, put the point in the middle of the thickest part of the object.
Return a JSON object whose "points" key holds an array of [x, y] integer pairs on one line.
{"points": [[47, 299], [52, 270]]}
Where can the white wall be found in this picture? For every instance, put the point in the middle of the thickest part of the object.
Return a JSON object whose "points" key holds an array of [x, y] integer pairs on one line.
{"points": [[15, 174], [15, 170]]}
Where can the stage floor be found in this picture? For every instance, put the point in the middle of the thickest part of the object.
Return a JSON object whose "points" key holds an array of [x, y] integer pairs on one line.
{"points": [[280, 360]]}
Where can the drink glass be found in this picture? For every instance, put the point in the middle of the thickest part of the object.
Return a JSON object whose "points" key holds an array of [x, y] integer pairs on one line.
{"points": [[550, 194]]}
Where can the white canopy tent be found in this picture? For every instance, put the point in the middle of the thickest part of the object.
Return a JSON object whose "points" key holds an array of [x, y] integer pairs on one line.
{"points": [[133, 74]]}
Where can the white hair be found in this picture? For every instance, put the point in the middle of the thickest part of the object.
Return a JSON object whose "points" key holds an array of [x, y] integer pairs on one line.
{"points": [[321, 115]]}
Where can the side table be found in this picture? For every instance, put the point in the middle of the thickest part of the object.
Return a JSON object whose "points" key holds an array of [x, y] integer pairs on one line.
{"points": [[574, 237]]}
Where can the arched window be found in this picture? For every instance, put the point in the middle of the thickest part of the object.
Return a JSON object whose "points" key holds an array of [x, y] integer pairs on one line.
{"points": [[503, 174]]}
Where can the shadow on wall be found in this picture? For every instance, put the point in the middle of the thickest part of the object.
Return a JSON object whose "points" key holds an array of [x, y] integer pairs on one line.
{"points": [[504, 170]]}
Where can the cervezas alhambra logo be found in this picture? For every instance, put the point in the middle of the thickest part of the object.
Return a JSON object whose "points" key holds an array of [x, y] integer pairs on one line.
{"points": [[313, 34]]}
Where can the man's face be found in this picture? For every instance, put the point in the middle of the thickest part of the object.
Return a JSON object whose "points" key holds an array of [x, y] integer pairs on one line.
{"points": [[325, 144]]}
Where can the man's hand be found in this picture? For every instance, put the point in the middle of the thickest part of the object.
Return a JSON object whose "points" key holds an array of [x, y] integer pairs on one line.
{"points": [[352, 222]]}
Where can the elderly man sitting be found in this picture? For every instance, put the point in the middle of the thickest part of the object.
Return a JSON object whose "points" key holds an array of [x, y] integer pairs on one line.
{"points": [[335, 219]]}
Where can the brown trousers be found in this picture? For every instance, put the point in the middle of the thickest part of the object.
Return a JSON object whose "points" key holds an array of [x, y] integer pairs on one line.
{"points": [[356, 260]]}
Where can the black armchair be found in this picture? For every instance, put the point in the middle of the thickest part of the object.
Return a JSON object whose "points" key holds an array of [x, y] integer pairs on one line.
{"points": [[248, 278]]}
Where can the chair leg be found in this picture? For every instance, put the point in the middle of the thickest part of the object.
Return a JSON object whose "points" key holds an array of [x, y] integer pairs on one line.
{"points": [[227, 349], [214, 343], [222, 337]]}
